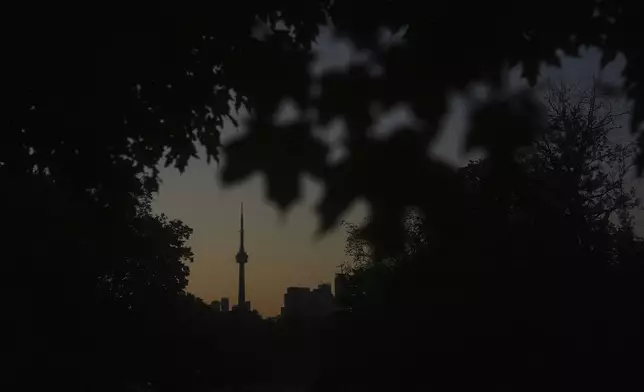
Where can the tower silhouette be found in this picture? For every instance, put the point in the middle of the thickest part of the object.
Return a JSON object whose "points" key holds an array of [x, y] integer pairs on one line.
{"points": [[242, 259]]}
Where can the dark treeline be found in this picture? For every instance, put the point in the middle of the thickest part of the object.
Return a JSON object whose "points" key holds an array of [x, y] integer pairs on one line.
{"points": [[520, 271], [534, 285]]}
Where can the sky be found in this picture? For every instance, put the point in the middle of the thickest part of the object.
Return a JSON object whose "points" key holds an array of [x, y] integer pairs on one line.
{"points": [[283, 249]]}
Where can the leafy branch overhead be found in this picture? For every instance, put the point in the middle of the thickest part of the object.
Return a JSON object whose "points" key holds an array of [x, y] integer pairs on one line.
{"points": [[431, 61], [283, 154], [151, 85]]}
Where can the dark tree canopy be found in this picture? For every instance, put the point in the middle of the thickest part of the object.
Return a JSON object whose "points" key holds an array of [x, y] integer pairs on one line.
{"points": [[129, 89], [542, 285]]}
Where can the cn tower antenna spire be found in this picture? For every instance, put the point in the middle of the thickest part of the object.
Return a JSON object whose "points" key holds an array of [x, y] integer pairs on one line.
{"points": [[241, 232]]}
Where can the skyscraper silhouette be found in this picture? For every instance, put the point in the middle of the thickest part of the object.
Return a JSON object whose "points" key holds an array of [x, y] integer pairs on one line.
{"points": [[242, 258]]}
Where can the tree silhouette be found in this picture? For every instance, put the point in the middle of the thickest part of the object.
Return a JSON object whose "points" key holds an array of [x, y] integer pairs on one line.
{"points": [[163, 81], [420, 72], [578, 154], [541, 273], [92, 276]]}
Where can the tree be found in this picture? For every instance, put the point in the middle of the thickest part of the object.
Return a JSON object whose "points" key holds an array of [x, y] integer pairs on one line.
{"points": [[536, 267], [578, 154], [168, 77], [92, 276], [420, 72], [367, 273], [571, 174]]}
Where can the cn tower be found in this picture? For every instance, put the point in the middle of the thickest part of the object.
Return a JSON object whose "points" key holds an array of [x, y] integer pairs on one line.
{"points": [[242, 259]]}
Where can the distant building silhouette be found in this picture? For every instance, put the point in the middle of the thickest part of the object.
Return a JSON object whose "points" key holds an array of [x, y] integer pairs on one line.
{"points": [[225, 304], [242, 259], [216, 306], [341, 283], [295, 301], [322, 300], [304, 302]]}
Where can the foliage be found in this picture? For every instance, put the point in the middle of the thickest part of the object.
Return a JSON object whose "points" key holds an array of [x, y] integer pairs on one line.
{"points": [[572, 170], [577, 153], [419, 73], [547, 260], [91, 277], [163, 81]]}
